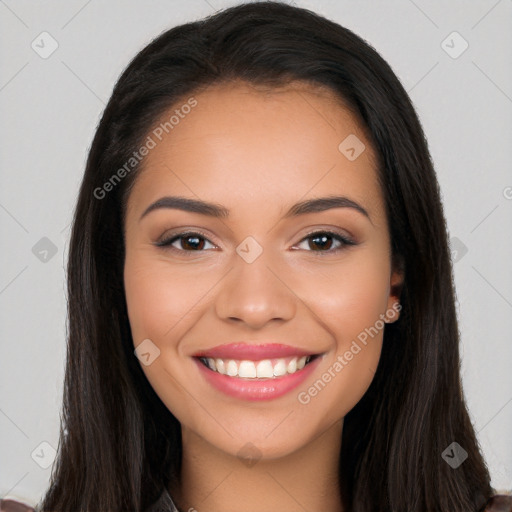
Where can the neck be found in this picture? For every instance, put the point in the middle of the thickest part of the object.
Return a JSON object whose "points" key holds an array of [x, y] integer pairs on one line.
{"points": [[215, 481]]}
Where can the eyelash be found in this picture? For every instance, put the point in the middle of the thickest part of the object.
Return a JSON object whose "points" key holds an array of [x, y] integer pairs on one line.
{"points": [[343, 239]]}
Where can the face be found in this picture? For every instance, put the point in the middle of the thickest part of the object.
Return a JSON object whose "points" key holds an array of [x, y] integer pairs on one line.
{"points": [[264, 310]]}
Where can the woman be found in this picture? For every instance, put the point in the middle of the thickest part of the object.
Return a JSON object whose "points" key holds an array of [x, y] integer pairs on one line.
{"points": [[261, 311]]}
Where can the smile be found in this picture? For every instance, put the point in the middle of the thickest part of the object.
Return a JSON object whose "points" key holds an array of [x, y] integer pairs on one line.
{"points": [[255, 372], [263, 369]]}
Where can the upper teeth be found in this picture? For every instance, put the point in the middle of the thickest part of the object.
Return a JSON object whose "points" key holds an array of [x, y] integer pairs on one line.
{"points": [[265, 368]]}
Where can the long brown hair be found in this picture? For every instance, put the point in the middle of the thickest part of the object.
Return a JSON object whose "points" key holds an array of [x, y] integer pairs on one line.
{"points": [[119, 445]]}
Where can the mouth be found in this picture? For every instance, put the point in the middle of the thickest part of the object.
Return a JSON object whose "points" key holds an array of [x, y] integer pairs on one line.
{"points": [[259, 369], [255, 372]]}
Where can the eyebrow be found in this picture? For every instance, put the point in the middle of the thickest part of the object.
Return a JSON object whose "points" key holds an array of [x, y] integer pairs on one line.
{"points": [[218, 211]]}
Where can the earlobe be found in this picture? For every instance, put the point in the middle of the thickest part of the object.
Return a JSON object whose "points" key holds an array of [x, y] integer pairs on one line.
{"points": [[393, 312]]}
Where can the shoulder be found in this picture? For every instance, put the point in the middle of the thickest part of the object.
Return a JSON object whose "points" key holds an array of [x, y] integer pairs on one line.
{"points": [[14, 506], [499, 503], [164, 504]]}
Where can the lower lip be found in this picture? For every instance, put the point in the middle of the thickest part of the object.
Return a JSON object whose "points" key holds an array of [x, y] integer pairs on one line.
{"points": [[257, 389]]}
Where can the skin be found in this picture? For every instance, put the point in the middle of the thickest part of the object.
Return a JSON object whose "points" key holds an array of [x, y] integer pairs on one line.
{"points": [[257, 152]]}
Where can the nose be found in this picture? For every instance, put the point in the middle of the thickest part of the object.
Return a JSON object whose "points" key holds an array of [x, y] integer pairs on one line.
{"points": [[255, 294]]}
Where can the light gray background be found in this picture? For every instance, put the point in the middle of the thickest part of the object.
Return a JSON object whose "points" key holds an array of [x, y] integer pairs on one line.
{"points": [[49, 111]]}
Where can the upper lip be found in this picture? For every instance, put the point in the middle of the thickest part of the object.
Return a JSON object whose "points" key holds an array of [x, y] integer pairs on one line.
{"points": [[246, 351]]}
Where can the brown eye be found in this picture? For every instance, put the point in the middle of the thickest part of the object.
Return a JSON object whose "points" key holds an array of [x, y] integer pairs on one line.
{"points": [[323, 241], [320, 242], [187, 242], [192, 243]]}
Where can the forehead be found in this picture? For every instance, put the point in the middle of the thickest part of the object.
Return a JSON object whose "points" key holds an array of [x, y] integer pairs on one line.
{"points": [[242, 144]]}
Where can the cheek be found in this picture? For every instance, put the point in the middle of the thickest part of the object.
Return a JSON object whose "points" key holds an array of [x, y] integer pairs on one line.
{"points": [[146, 300], [350, 295], [159, 305], [350, 302], [160, 298]]}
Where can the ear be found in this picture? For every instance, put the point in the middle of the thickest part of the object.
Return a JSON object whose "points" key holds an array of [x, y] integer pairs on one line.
{"points": [[395, 290]]}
